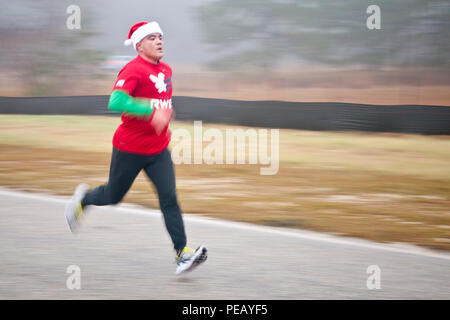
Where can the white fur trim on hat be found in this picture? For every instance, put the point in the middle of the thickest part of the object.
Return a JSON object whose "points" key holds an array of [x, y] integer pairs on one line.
{"points": [[142, 32]]}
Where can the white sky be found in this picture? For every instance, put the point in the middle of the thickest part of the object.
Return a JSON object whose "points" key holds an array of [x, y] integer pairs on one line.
{"points": [[181, 32], [113, 19]]}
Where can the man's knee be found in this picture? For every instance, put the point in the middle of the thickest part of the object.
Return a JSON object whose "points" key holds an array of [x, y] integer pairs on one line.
{"points": [[168, 200], [116, 197]]}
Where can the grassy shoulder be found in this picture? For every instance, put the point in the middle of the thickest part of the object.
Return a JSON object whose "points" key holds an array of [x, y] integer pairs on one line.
{"points": [[381, 187]]}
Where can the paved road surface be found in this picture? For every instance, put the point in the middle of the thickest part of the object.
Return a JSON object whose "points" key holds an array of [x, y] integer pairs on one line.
{"points": [[124, 252]]}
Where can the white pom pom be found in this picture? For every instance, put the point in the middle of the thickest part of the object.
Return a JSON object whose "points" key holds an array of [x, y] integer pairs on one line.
{"points": [[128, 42]]}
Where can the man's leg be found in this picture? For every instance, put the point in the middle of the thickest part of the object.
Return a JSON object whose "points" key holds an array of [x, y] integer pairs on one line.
{"points": [[123, 171], [162, 174]]}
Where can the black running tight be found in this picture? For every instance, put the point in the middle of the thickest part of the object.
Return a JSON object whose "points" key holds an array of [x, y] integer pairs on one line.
{"points": [[159, 168]]}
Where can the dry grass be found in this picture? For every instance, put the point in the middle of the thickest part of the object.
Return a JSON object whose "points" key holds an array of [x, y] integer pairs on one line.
{"points": [[382, 187]]}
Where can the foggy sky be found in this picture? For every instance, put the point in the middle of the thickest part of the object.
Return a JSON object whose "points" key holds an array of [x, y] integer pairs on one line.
{"points": [[181, 32], [111, 21]]}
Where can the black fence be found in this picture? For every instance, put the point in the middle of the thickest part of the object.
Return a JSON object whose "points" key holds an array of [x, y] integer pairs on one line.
{"points": [[270, 114]]}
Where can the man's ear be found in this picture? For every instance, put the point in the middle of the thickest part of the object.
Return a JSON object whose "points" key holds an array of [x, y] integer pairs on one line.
{"points": [[138, 47]]}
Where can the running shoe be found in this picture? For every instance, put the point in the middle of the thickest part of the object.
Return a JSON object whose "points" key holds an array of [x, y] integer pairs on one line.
{"points": [[189, 258], [74, 210]]}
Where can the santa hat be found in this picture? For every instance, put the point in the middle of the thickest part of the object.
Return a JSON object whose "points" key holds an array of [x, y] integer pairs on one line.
{"points": [[140, 30]]}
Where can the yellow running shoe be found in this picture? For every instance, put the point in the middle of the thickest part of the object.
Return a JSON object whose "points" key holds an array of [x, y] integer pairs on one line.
{"points": [[73, 210], [189, 258]]}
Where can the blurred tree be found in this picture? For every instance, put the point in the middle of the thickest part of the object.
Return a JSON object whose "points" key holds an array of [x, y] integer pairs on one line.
{"points": [[46, 56], [259, 33]]}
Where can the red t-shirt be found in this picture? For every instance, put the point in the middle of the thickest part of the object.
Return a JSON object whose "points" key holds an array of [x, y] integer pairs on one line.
{"points": [[142, 79]]}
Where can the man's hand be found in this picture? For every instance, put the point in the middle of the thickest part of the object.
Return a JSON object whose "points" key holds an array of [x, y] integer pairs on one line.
{"points": [[161, 118]]}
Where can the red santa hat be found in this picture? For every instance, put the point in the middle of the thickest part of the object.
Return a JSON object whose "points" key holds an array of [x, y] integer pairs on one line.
{"points": [[140, 30]]}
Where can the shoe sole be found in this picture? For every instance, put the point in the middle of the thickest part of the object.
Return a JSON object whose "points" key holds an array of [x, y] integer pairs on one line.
{"points": [[68, 213], [201, 254]]}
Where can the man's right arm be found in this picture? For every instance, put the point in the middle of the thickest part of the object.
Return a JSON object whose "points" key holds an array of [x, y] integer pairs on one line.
{"points": [[121, 101]]}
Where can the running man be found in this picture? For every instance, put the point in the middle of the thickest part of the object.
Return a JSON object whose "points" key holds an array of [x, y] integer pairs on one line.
{"points": [[142, 93]]}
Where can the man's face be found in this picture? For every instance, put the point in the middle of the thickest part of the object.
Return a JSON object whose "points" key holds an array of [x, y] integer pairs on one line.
{"points": [[151, 47]]}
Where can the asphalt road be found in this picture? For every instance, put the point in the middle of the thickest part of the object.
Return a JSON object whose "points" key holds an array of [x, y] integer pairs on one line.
{"points": [[124, 252]]}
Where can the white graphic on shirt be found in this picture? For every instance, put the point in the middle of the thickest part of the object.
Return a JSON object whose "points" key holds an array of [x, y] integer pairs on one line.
{"points": [[120, 83], [161, 103], [159, 82]]}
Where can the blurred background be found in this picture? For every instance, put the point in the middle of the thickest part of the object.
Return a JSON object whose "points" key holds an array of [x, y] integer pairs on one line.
{"points": [[247, 50], [389, 186]]}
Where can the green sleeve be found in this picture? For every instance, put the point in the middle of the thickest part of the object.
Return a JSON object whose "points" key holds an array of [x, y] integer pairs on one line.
{"points": [[121, 101]]}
